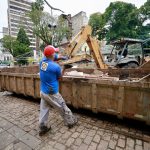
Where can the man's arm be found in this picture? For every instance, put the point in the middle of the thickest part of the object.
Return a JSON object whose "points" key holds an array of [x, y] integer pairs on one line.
{"points": [[64, 67], [60, 72]]}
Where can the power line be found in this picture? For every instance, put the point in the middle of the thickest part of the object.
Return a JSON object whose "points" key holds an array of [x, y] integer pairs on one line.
{"points": [[53, 7], [24, 54]]}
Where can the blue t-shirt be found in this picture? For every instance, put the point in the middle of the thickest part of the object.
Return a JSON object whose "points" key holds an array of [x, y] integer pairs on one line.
{"points": [[56, 57], [50, 72]]}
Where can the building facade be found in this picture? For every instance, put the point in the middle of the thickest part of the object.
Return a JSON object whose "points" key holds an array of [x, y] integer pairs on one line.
{"points": [[78, 21], [5, 57], [5, 31], [17, 10]]}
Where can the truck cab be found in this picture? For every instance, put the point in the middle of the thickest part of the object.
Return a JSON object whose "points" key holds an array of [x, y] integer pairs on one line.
{"points": [[126, 53]]}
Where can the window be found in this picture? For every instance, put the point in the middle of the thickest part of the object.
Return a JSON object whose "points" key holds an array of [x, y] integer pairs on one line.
{"points": [[16, 8], [21, 21], [22, 1], [135, 49], [20, 5]]}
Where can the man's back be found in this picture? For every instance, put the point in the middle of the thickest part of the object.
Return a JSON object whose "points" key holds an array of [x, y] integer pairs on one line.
{"points": [[50, 72]]}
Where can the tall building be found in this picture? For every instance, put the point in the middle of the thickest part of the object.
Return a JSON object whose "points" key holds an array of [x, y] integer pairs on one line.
{"points": [[17, 10], [5, 31], [78, 21]]}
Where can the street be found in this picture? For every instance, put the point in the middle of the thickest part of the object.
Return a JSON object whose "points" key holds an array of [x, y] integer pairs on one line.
{"points": [[19, 130]]}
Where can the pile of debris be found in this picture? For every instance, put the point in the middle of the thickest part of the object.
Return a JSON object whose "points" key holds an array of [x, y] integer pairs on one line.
{"points": [[99, 75]]}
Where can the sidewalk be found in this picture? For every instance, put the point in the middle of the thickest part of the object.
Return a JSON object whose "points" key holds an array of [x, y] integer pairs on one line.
{"points": [[19, 130]]}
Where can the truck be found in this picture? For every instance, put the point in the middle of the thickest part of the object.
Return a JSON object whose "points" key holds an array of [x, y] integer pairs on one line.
{"points": [[129, 53]]}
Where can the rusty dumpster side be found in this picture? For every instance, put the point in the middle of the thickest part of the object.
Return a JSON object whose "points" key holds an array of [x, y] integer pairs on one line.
{"points": [[121, 98], [26, 84]]}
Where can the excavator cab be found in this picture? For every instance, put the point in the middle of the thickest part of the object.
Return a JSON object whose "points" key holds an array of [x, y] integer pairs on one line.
{"points": [[126, 53]]}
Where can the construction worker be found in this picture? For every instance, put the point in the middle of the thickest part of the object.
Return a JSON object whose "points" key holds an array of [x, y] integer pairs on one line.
{"points": [[50, 73]]}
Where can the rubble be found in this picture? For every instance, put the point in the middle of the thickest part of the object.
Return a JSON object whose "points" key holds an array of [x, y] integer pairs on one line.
{"points": [[95, 75]]}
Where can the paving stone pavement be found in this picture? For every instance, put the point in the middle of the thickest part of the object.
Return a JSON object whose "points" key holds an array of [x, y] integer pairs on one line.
{"points": [[19, 130]]}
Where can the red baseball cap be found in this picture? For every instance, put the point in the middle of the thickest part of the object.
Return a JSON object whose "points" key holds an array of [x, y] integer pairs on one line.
{"points": [[49, 50]]}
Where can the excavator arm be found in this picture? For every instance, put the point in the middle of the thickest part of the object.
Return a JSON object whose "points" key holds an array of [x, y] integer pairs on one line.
{"points": [[96, 53], [84, 36], [75, 44]]}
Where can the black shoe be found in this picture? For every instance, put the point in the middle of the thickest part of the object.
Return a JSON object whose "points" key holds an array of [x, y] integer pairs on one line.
{"points": [[44, 130], [73, 124]]}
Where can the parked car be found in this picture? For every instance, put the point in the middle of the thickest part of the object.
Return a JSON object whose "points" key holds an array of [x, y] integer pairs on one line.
{"points": [[4, 66]]}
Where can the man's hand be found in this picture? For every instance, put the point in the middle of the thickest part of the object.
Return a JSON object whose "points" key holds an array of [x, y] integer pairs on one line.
{"points": [[67, 66]]}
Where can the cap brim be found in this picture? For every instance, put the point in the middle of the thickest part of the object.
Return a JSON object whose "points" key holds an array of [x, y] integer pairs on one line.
{"points": [[56, 49]]}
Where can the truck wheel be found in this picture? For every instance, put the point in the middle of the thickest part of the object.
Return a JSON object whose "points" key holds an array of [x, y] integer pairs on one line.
{"points": [[130, 65]]}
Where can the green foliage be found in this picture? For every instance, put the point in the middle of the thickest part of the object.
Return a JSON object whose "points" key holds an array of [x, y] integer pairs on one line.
{"points": [[60, 32], [144, 32], [21, 47], [97, 22], [17, 47], [20, 50], [22, 37], [8, 41], [121, 19], [144, 16], [41, 20], [41, 28], [30, 60], [36, 12], [42, 46], [38, 5], [145, 11]]}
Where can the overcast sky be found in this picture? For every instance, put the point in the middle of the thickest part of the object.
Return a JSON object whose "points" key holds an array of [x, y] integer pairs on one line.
{"points": [[69, 7]]}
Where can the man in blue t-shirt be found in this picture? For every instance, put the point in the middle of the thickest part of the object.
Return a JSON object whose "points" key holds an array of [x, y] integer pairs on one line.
{"points": [[50, 73]]}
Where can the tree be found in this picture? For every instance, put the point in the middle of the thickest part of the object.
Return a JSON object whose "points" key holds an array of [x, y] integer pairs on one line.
{"points": [[8, 42], [122, 20], [144, 11], [21, 47], [145, 32], [38, 5], [40, 20], [22, 37], [44, 24], [60, 31], [97, 22], [144, 16]]}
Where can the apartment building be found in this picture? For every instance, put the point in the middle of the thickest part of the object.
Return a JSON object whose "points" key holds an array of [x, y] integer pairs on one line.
{"points": [[17, 10], [5, 31], [78, 21]]}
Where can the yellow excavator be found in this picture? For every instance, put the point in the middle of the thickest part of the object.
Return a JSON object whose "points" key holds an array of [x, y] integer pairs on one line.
{"points": [[84, 36]]}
